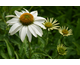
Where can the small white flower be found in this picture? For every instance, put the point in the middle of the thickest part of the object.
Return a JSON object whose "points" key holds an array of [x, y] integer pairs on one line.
{"points": [[26, 23], [64, 31], [51, 25]]}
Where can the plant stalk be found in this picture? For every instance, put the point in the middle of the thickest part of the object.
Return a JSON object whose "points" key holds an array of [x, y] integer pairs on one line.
{"points": [[29, 50]]}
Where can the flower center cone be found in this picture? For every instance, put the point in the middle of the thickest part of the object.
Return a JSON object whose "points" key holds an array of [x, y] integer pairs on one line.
{"points": [[65, 32], [26, 19], [48, 24]]}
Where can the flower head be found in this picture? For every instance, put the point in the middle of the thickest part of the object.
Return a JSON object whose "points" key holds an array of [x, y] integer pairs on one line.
{"points": [[26, 23], [64, 31], [61, 49], [51, 25]]}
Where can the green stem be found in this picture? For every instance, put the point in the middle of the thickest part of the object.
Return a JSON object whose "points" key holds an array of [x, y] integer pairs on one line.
{"points": [[46, 41], [62, 39], [30, 8], [29, 50], [47, 37]]}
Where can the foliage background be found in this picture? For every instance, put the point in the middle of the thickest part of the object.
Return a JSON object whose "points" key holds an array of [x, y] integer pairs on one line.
{"points": [[11, 47]]}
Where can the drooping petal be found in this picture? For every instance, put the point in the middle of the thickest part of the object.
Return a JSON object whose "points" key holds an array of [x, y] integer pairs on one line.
{"points": [[11, 16], [13, 20], [39, 18], [40, 24], [16, 30], [23, 33], [18, 13], [32, 31], [28, 34], [34, 13], [37, 29], [15, 26]]}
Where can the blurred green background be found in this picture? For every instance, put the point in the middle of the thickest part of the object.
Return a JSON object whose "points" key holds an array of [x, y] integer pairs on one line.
{"points": [[11, 47]]}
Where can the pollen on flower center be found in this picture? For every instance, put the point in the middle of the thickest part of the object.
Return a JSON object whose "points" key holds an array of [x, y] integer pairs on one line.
{"points": [[64, 32], [26, 18], [48, 24]]}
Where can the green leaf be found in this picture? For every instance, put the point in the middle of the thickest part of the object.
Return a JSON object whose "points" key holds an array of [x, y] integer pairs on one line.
{"points": [[77, 30], [13, 8], [41, 42], [16, 55], [2, 25], [41, 52], [9, 48], [23, 51], [78, 48], [4, 55]]}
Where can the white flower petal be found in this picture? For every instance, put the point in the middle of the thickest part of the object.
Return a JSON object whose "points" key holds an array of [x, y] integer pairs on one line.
{"points": [[16, 30], [51, 19], [67, 28], [34, 13], [40, 21], [14, 27], [10, 24], [18, 13], [32, 31], [28, 34], [23, 33], [13, 20], [40, 24], [54, 21], [26, 10], [53, 28], [39, 18], [11, 16], [64, 27], [60, 31], [23, 11], [70, 31], [47, 20], [20, 32], [56, 26], [37, 29]]}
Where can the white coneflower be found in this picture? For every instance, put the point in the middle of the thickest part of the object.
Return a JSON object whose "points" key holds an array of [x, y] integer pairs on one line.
{"points": [[61, 49], [26, 23], [50, 24], [64, 31]]}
